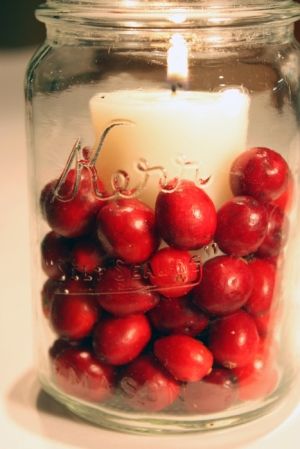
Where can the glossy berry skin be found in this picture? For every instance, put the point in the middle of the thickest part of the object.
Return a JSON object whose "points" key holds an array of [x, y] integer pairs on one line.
{"points": [[276, 234], [55, 252], [242, 226], [61, 345], [234, 340], [118, 341], [264, 275], [257, 379], [178, 317], [284, 201], [87, 255], [174, 272], [264, 323], [146, 386], [186, 358], [48, 294], [74, 313], [259, 172], [78, 373], [126, 228], [121, 292], [76, 216], [186, 217], [214, 393], [226, 285]]}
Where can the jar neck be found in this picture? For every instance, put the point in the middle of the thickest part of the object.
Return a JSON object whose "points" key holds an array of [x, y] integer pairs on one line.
{"points": [[204, 39], [225, 22]]}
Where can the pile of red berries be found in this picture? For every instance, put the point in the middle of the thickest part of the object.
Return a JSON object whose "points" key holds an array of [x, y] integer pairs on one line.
{"points": [[149, 321]]}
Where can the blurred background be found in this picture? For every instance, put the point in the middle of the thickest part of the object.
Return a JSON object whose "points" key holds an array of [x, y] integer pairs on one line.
{"points": [[19, 28]]}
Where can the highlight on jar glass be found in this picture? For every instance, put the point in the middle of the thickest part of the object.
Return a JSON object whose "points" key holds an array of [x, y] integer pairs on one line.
{"points": [[164, 155]]}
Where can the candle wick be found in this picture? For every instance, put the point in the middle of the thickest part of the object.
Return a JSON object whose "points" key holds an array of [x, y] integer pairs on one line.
{"points": [[175, 86]]}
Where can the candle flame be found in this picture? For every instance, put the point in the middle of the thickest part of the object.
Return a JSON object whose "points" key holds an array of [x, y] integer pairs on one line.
{"points": [[177, 60]]}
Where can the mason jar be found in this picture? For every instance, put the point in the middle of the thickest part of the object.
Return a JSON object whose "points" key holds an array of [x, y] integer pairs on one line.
{"points": [[164, 175]]}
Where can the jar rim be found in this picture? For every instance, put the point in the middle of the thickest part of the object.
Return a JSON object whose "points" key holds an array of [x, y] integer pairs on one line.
{"points": [[169, 13]]}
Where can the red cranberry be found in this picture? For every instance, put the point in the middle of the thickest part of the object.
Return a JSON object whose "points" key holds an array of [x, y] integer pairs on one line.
{"points": [[186, 358], [226, 285], [257, 379], [264, 274], [242, 226], [145, 385], [264, 323], [118, 341], [259, 172], [284, 201], [173, 272], [122, 292], [78, 373], [214, 393], [126, 228], [276, 234], [75, 216], [47, 295], [186, 216], [61, 345], [178, 317], [74, 312], [55, 255], [234, 340], [87, 255]]}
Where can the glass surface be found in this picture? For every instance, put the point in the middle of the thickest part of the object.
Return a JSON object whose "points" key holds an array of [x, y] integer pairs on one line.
{"points": [[164, 171]]}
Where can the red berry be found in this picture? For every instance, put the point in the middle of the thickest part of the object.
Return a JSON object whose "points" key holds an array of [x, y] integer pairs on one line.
{"points": [[242, 226], [121, 292], [276, 234], [74, 312], [174, 272], [284, 201], [186, 358], [186, 216], [55, 252], [178, 317], [214, 393], [47, 295], [226, 285], [75, 216], [78, 373], [147, 386], [118, 341], [61, 345], [126, 228], [264, 323], [87, 255], [234, 340], [264, 274], [259, 172], [257, 379]]}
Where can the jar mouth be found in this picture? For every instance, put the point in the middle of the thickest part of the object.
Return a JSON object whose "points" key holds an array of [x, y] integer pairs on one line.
{"points": [[169, 13]]}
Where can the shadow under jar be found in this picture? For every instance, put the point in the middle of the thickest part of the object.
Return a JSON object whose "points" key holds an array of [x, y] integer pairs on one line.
{"points": [[164, 155]]}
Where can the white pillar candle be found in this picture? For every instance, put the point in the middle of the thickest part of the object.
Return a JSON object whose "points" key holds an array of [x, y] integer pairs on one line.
{"points": [[206, 128]]}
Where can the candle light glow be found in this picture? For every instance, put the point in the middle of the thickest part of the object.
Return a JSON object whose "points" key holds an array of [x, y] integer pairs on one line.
{"points": [[177, 60], [206, 129]]}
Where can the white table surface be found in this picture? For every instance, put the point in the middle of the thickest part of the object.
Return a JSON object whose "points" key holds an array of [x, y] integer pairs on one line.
{"points": [[29, 419]]}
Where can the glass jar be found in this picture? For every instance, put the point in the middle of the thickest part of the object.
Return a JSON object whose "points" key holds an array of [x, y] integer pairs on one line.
{"points": [[164, 155]]}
